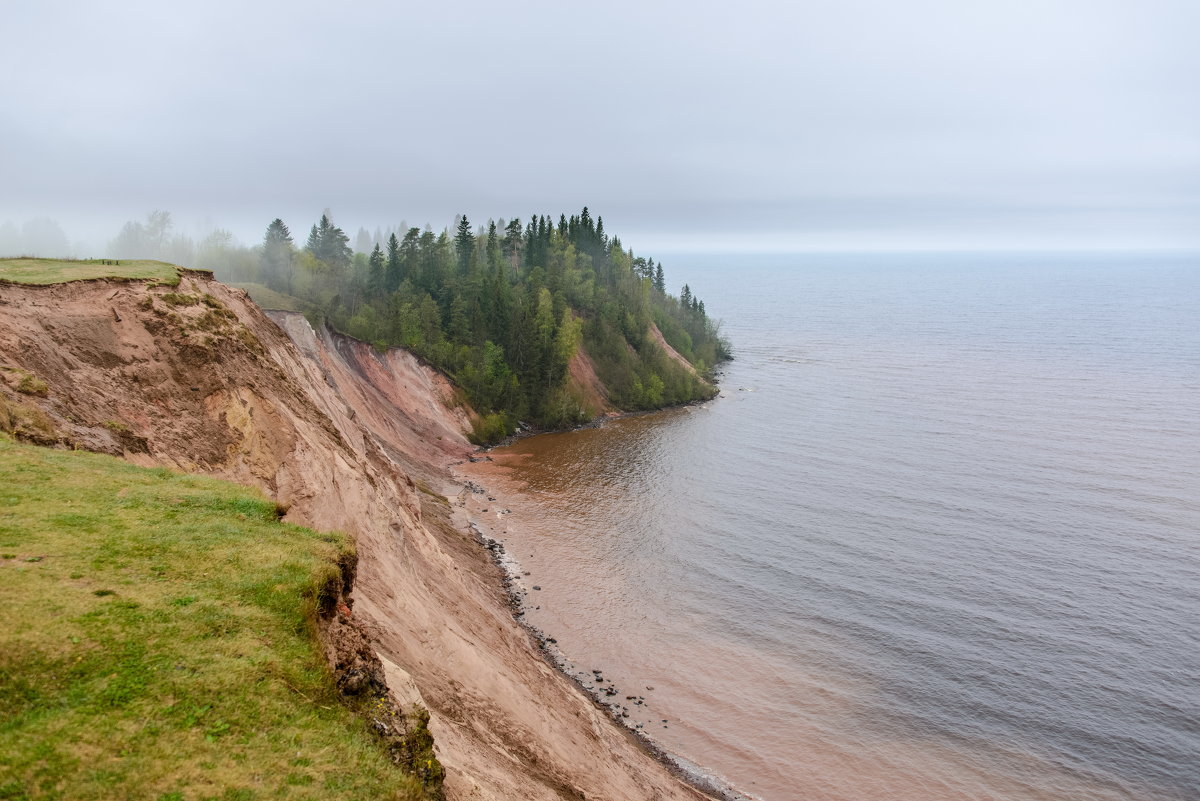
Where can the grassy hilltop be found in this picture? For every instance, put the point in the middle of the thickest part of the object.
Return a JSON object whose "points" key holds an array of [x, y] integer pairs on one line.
{"points": [[57, 271], [158, 642]]}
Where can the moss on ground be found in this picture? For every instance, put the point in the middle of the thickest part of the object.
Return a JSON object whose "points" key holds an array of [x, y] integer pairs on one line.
{"points": [[42, 272], [158, 642]]}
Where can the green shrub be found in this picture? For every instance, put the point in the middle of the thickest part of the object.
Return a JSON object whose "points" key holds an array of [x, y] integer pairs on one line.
{"points": [[490, 428]]}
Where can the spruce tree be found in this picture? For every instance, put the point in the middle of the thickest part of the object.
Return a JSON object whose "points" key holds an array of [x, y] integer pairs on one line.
{"points": [[376, 278], [464, 243], [410, 255], [392, 270], [329, 244]]}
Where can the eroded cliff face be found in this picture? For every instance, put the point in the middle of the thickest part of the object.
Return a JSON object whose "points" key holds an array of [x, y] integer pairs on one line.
{"points": [[199, 378]]}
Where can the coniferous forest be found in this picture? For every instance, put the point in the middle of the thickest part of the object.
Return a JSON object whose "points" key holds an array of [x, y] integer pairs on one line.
{"points": [[503, 310]]}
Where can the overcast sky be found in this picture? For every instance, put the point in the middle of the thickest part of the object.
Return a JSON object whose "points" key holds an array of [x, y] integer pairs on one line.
{"points": [[686, 125]]}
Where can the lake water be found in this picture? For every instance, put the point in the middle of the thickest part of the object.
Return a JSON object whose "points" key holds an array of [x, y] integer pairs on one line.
{"points": [[939, 538]]}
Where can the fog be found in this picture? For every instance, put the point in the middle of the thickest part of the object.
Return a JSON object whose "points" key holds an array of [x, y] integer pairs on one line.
{"points": [[860, 124]]}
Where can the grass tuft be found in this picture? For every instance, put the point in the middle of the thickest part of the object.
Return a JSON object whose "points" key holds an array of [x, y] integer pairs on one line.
{"points": [[32, 385], [27, 422], [179, 299]]}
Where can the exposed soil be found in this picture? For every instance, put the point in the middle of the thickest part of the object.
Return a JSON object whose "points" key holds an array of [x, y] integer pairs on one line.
{"points": [[589, 386]]}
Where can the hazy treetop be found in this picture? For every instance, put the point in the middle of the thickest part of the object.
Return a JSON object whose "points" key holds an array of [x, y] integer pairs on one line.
{"points": [[860, 123]]}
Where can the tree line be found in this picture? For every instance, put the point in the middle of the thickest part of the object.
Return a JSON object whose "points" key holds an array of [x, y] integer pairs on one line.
{"points": [[502, 308]]}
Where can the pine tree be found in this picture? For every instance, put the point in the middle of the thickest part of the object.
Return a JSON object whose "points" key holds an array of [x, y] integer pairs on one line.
{"points": [[660, 280], [640, 268]]}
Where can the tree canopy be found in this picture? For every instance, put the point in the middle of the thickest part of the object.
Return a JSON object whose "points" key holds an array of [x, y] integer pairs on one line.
{"points": [[503, 308]]}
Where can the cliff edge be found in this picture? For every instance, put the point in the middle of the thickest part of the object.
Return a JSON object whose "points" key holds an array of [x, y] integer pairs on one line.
{"points": [[197, 377]]}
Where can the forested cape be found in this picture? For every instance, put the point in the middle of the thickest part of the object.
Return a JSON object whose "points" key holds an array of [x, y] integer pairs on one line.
{"points": [[503, 310]]}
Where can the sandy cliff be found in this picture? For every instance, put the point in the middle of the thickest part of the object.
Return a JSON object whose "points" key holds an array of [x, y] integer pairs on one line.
{"points": [[197, 377]]}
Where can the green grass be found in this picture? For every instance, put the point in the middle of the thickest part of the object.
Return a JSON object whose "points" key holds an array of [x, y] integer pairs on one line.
{"points": [[270, 299], [58, 271], [157, 642]]}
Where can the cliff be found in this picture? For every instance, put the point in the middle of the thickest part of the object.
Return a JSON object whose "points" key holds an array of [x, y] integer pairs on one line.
{"points": [[198, 378]]}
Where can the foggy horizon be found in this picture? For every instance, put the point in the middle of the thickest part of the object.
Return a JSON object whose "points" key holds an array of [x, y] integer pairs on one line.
{"points": [[865, 127]]}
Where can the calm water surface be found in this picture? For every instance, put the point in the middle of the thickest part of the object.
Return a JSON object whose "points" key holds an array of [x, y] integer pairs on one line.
{"points": [[938, 539]]}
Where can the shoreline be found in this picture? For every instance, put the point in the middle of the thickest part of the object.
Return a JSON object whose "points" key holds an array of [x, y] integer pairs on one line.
{"points": [[600, 420], [600, 691]]}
